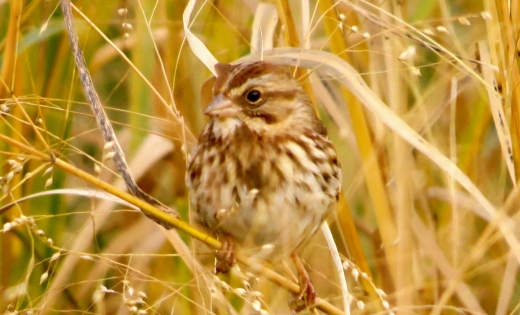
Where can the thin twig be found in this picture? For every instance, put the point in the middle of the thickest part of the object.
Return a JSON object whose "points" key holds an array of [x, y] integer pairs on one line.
{"points": [[103, 121]]}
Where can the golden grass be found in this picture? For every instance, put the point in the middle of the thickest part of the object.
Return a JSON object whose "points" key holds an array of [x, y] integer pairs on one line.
{"points": [[428, 144]]}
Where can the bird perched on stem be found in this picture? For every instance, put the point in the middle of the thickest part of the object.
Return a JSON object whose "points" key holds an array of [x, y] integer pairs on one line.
{"points": [[263, 176]]}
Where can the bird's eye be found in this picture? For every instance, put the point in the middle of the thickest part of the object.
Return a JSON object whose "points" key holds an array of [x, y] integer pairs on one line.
{"points": [[254, 96]]}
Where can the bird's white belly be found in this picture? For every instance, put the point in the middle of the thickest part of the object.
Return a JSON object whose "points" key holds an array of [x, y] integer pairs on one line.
{"points": [[272, 224]]}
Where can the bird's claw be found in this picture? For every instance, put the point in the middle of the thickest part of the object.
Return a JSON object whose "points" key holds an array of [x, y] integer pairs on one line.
{"points": [[225, 256], [307, 296]]}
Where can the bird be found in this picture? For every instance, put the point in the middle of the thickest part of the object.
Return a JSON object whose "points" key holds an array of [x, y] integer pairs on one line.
{"points": [[263, 176]]}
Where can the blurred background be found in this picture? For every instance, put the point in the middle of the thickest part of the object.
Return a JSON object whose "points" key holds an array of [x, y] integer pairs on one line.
{"points": [[417, 234]]}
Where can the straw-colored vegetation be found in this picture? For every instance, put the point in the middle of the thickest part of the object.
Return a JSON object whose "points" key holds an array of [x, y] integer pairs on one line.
{"points": [[428, 145]]}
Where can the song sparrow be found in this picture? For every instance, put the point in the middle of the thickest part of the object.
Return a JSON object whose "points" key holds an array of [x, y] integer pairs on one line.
{"points": [[263, 174]]}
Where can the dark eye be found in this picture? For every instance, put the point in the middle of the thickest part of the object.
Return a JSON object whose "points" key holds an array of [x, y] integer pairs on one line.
{"points": [[253, 96]]}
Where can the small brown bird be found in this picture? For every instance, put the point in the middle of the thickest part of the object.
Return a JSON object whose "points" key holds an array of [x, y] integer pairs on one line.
{"points": [[264, 175]]}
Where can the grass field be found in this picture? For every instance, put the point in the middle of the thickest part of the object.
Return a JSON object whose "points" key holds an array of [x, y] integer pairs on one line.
{"points": [[420, 98]]}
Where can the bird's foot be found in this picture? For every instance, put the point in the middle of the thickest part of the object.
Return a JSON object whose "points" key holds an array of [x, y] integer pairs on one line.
{"points": [[226, 256], [307, 296]]}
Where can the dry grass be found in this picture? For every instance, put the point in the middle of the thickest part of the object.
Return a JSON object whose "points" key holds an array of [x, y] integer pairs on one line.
{"points": [[428, 144]]}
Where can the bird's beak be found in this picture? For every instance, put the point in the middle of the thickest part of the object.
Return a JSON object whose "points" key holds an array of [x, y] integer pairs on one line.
{"points": [[220, 106]]}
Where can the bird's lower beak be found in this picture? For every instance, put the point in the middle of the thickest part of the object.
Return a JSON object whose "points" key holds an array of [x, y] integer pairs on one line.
{"points": [[220, 106]]}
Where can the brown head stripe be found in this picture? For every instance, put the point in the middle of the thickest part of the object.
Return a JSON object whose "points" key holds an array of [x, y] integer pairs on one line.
{"points": [[232, 76]]}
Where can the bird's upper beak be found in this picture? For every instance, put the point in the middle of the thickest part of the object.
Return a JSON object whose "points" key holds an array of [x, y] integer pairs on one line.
{"points": [[221, 106]]}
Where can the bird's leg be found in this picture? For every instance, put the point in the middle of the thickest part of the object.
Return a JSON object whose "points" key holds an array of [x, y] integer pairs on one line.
{"points": [[226, 256], [307, 295]]}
